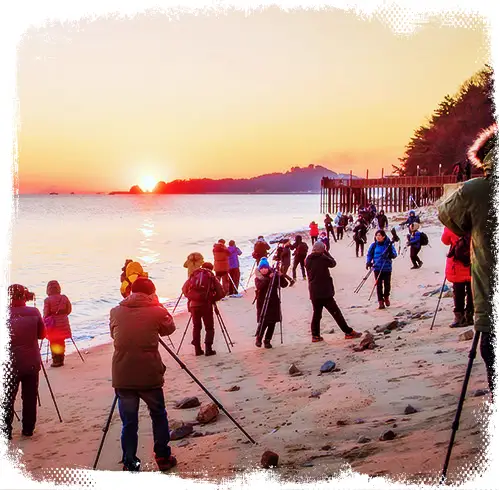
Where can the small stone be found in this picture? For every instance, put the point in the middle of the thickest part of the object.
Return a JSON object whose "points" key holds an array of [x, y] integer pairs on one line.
{"points": [[387, 332], [175, 424], [367, 342], [481, 392], [363, 440], [207, 413], [315, 394], [197, 434], [181, 432], [307, 464], [332, 330], [359, 421], [326, 448], [190, 402], [466, 335], [293, 370], [342, 422], [388, 435], [233, 388], [409, 410], [183, 443], [269, 460], [327, 367], [439, 351]]}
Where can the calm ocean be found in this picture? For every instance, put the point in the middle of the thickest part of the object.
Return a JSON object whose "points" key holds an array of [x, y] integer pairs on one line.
{"points": [[83, 241]]}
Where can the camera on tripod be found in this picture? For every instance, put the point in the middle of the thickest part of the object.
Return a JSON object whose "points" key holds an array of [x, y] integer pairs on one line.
{"points": [[279, 250]]}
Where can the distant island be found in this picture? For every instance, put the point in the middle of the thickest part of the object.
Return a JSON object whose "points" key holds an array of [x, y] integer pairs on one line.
{"points": [[297, 180]]}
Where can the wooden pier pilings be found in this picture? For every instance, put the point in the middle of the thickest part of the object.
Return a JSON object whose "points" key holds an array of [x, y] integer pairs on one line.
{"points": [[392, 194]]}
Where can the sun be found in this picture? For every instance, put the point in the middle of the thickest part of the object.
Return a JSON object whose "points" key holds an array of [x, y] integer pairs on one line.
{"points": [[148, 183]]}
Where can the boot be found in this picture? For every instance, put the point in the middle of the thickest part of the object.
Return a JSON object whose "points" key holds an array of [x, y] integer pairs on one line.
{"points": [[198, 351], [459, 321], [381, 305], [209, 351], [134, 466], [57, 360], [166, 464], [267, 344], [387, 302], [258, 342], [469, 318]]}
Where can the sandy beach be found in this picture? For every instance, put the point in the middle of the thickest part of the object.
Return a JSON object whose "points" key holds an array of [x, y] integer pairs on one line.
{"points": [[313, 421]]}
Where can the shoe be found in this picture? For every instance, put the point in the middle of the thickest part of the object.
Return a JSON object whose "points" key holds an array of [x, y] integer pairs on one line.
{"points": [[134, 466], [199, 352], [258, 342], [209, 352], [267, 344], [166, 464], [292, 282], [353, 335], [459, 321], [381, 305], [414, 267], [27, 433], [387, 302], [317, 338]]}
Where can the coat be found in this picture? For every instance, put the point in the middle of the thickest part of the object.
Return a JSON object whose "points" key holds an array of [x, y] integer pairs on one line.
{"points": [[381, 255], [382, 221], [414, 240], [216, 291], [455, 270], [318, 275], [286, 256], [193, 262], [359, 233], [234, 262], [58, 306], [26, 327], [135, 326], [260, 249], [313, 229], [221, 258], [273, 311]]}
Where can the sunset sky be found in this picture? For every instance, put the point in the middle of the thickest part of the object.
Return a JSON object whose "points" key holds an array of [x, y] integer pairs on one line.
{"points": [[105, 103]]}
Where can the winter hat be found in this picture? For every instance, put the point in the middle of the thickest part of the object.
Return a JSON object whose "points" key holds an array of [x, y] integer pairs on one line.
{"points": [[263, 263], [143, 285], [319, 247], [323, 234]]}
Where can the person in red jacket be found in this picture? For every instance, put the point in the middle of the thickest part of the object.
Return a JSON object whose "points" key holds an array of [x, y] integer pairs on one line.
{"points": [[459, 273], [313, 231], [221, 264]]}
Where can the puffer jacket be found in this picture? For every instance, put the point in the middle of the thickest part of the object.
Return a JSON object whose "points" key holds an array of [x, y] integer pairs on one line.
{"points": [[313, 229], [318, 275], [234, 262], [221, 258], [193, 262], [57, 306], [381, 255], [455, 270], [260, 249], [471, 209], [414, 239], [134, 327], [26, 327]]}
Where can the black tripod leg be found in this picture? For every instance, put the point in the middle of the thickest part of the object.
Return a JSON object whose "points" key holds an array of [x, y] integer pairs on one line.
{"points": [[193, 377], [222, 324], [105, 431], [185, 331], [51, 392], [439, 301], [224, 334], [456, 422], [81, 357], [17, 416]]}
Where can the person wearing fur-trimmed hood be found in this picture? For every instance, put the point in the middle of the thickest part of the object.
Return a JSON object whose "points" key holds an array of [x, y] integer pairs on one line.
{"points": [[472, 210]]}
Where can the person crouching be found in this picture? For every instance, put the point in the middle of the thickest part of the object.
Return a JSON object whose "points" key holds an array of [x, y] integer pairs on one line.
{"points": [[202, 290], [379, 257], [137, 370], [267, 319], [321, 292]]}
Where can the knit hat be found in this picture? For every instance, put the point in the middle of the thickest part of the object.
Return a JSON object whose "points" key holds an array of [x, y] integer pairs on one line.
{"points": [[143, 285], [263, 263], [319, 247]]}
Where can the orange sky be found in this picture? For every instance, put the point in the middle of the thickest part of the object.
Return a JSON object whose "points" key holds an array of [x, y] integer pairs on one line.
{"points": [[106, 103]]}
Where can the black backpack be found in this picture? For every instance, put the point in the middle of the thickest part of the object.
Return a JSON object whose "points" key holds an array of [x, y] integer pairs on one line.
{"points": [[200, 287], [424, 239], [461, 250]]}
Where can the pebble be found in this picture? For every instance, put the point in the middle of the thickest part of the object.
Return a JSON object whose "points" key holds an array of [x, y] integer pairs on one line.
{"points": [[388, 435], [481, 392], [466, 335], [363, 439], [269, 460], [233, 388], [315, 394], [327, 367], [189, 402], [294, 370]]}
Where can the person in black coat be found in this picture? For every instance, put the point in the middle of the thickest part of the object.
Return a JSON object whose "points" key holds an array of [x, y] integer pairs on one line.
{"points": [[359, 236], [321, 292], [285, 255], [267, 319], [299, 256], [382, 220]]}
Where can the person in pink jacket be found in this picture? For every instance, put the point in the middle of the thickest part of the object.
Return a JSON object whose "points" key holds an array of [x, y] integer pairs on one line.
{"points": [[458, 272], [56, 309]]}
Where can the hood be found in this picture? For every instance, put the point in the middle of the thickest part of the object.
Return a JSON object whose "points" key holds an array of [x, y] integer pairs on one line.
{"points": [[484, 149], [53, 287], [298, 239], [261, 240], [385, 243], [218, 247], [140, 300], [411, 213], [195, 257]]}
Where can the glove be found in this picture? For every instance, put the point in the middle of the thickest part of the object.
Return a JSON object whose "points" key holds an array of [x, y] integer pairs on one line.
{"points": [[369, 265]]}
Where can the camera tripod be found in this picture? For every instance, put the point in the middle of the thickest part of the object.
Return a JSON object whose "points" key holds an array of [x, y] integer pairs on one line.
{"points": [[193, 377], [222, 325]]}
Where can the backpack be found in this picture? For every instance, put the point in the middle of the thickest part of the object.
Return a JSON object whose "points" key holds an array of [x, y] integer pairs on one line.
{"points": [[200, 286], [424, 239], [461, 250]]}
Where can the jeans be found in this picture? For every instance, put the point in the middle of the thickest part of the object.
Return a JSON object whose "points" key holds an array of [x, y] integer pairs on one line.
{"points": [[128, 406], [29, 393], [415, 259], [462, 290], [206, 314], [488, 354], [383, 279], [331, 306], [296, 261]]}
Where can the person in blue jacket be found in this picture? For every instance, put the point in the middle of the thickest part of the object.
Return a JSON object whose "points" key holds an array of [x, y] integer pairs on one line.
{"points": [[415, 245], [412, 218], [379, 257]]}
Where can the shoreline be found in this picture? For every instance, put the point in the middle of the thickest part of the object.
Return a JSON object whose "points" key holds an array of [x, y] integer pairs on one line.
{"points": [[312, 421]]}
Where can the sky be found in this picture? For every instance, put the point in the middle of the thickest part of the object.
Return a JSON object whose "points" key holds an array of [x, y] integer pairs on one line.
{"points": [[105, 104]]}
